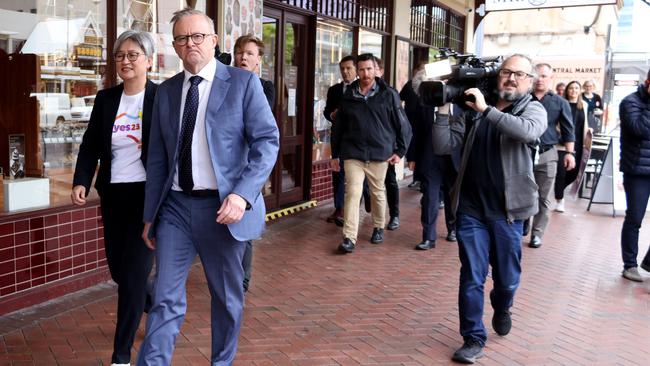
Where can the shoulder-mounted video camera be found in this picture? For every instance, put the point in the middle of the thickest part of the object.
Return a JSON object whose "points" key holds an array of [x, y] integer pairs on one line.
{"points": [[469, 72]]}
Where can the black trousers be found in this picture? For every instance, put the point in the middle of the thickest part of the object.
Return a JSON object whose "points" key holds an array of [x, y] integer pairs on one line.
{"points": [[392, 191], [564, 178], [438, 176], [129, 260], [637, 193]]}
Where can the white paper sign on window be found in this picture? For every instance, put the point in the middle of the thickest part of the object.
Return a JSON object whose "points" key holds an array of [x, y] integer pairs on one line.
{"points": [[291, 108]]}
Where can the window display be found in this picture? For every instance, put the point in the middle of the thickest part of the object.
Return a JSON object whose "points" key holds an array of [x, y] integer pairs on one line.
{"points": [[70, 40], [333, 42]]}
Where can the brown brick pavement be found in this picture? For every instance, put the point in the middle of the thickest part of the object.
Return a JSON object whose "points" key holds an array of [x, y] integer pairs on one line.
{"points": [[384, 304]]}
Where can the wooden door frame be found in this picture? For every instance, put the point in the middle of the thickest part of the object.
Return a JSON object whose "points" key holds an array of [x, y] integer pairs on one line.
{"points": [[305, 114]]}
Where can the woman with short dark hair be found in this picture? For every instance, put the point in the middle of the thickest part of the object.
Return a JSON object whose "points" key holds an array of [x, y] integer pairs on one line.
{"points": [[117, 137]]}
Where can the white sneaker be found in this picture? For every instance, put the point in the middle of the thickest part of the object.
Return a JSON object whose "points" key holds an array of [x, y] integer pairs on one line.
{"points": [[633, 274], [560, 205]]}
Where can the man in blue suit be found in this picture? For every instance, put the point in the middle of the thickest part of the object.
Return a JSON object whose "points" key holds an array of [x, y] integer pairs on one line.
{"points": [[213, 144]]}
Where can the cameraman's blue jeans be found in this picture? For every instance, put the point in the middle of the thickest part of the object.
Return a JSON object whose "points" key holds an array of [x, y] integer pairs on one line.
{"points": [[481, 244]]}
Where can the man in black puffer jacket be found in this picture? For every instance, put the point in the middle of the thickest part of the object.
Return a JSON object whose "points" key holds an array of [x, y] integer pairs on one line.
{"points": [[634, 112], [376, 133]]}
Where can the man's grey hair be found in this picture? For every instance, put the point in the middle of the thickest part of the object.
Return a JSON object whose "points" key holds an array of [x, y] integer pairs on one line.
{"points": [[521, 55], [142, 39], [188, 12]]}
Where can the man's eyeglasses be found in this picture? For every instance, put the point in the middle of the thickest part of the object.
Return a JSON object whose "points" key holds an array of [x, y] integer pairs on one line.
{"points": [[131, 56], [197, 38], [519, 75]]}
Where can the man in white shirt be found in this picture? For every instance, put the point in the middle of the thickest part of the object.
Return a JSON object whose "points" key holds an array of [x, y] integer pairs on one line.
{"points": [[213, 144]]}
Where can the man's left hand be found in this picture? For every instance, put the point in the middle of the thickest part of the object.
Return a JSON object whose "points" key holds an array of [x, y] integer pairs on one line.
{"points": [[231, 210], [479, 103], [394, 159], [569, 162]]}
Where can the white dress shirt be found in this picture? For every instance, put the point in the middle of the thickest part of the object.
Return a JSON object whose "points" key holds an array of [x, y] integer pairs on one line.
{"points": [[202, 171]]}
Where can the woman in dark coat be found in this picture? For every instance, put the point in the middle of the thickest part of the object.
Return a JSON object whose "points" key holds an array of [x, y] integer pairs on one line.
{"points": [[117, 136]]}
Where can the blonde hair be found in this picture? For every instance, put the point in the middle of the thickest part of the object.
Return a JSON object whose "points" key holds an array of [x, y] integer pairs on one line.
{"points": [[245, 39]]}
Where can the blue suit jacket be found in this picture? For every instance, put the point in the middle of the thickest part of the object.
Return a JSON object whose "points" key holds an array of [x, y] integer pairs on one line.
{"points": [[242, 136]]}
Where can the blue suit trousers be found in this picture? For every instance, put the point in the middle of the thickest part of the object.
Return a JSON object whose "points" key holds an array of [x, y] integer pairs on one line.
{"points": [[186, 227]]}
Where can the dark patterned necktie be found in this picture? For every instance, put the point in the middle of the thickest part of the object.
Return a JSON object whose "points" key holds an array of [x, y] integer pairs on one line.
{"points": [[185, 180]]}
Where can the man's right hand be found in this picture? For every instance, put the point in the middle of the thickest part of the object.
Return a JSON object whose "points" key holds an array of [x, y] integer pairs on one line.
{"points": [[412, 166], [78, 195], [333, 114], [334, 164], [149, 242]]}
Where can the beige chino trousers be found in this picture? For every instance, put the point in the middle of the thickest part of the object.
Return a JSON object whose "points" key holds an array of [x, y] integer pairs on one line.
{"points": [[355, 172]]}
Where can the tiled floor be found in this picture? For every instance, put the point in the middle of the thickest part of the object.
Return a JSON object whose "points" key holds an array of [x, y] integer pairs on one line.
{"points": [[384, 304]]}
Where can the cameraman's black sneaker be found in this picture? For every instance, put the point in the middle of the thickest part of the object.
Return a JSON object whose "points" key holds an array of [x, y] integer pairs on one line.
{"points": [[469, 352], [502, 322]]}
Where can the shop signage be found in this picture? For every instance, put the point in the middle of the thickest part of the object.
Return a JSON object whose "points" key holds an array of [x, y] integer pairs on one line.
{"points": [[93, 39], [495, 5], [580, 69], [89, 51]]}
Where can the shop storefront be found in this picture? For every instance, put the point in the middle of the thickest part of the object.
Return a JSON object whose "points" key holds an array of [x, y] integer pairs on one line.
{"points": [[56, 55]]}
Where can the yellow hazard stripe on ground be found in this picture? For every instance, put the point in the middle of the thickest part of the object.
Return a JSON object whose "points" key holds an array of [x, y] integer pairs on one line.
{"points": [[290, 210]]}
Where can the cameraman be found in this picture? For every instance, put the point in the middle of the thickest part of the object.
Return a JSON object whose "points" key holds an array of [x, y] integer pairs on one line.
{"points": [[494, 192]]}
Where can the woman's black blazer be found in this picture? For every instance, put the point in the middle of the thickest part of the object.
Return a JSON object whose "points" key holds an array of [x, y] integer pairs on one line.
{"points": [[96, 143]]}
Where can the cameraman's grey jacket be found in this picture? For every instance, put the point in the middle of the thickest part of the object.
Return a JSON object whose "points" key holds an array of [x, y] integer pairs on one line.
{"points": [[517, 130]]}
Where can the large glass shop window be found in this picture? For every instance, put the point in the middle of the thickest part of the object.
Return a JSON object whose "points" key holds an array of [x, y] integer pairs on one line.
{"points": [[333, 42], [370, 42], [69, 39], [153, 16]]}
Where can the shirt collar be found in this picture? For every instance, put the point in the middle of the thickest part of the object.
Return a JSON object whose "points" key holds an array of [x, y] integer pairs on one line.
{"points": [[207, 72]]}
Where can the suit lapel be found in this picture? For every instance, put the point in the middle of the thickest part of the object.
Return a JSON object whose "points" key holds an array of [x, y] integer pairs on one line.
{"points": [[175, 93], [220, 86], [149, 94]]}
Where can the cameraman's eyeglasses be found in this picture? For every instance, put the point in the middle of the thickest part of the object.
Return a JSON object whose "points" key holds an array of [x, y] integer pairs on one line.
{"points": [[131, 56], [197, 38], [519, 75]]}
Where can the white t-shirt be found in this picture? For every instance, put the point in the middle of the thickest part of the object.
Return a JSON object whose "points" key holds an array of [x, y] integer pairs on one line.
{"points": [[126, 146]]}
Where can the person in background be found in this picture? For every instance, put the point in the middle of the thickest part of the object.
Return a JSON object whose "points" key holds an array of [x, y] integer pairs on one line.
{"points": [[348, 70], [559, 130], [249, 51], [248, 56], [213, 144], [367, 152], [595, 104], [634, 112], [117, 137], [559, 88], [579, 114], [437, 172], [392, 188], [409, 95]]}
